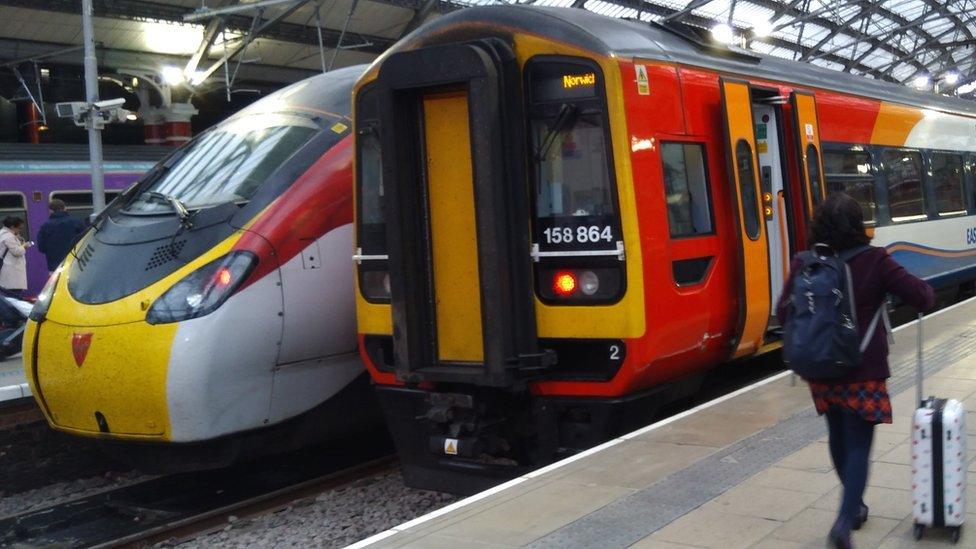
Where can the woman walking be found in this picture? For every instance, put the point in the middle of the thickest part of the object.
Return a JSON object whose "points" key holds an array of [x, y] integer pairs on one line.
{"points": [[855, 403], [13, 264]]}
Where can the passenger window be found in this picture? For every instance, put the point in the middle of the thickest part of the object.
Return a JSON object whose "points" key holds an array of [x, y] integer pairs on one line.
{"points": [[850, 172], [906, 199], [947, 183], [686, 189], [79, 203], [813, 173], [15, 205], [747, 188]]}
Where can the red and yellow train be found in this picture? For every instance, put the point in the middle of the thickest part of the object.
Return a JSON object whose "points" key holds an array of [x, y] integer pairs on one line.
{"points": [[564, 219]]}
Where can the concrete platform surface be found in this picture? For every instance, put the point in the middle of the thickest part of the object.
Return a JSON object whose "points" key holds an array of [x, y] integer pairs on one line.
{"points": [[750, 469], [13, 384]]}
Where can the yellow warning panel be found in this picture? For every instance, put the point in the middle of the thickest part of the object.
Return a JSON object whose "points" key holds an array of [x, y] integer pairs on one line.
{"points": [[450, 188], [450, 446]]}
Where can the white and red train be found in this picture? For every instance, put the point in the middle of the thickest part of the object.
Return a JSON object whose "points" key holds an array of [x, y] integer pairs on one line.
{"points": [[209, 314]]}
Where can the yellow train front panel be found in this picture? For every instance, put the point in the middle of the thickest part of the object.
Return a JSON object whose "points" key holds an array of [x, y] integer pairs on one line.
{"points": [[105, 378]]}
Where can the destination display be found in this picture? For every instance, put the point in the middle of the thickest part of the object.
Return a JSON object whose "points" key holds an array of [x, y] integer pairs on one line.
{"points": [[561, 81]]}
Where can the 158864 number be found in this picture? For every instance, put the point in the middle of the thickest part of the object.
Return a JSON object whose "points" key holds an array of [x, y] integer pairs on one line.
{"points": [[582, 234]]}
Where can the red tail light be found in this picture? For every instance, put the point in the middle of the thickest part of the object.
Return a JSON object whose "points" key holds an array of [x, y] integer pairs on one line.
{"points": [[564, 284]]}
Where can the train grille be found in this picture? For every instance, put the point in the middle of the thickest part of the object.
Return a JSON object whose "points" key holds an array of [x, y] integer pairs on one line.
{"points": [[164, 254], [84, 257]]}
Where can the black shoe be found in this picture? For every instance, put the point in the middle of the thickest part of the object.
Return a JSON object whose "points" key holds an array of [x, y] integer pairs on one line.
{"points": [[840, 535], [862, 517]]}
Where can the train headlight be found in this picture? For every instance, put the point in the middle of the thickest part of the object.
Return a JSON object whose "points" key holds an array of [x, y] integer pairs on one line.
{"points": [[204, 290], [589, 282], [43, 303]]}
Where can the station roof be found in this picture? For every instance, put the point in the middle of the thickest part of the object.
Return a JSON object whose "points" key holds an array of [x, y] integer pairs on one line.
{"points": [[914, 42]]}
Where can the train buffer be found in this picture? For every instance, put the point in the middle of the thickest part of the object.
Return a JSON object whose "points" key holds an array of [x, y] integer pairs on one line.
{"points": [[750, 469]]}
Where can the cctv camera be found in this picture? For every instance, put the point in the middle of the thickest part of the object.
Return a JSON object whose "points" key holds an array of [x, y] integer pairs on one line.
{"points": [[70, 109]]}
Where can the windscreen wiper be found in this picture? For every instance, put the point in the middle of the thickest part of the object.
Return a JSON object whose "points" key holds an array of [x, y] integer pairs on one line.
{"points": [[177, 206], [564, 120]]}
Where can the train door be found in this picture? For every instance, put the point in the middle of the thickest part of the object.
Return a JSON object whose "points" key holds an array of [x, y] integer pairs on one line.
{"points": [[807, 136], [754, 270], [772, 182], [457, 256]]}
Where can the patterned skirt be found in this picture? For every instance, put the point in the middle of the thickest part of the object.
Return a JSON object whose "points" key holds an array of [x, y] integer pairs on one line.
{"points": [[869, 399]]}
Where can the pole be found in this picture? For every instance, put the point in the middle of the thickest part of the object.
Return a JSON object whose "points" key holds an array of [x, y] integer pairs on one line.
{"points": [[91, 96]]}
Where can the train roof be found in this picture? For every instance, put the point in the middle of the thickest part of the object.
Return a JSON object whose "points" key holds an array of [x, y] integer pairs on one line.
{"points": [[625, 38], [73, 152], [329, 92]]}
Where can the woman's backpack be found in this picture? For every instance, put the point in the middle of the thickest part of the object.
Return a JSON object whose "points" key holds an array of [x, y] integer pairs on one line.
{"points": [[820, 336]]}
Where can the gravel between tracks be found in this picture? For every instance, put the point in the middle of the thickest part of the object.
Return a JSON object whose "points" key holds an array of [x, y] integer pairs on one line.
{"points": [[61, 492], [334, 518]]}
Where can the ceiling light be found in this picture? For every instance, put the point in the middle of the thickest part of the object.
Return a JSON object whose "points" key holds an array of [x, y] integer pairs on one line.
{"points": [[921, 81], [951, 78], [723, 33], [762, 28], [172, 75], [170, 38], [132, 116]]}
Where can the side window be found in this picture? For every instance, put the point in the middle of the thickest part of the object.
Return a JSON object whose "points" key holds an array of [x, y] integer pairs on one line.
{"points": [[850, 172], [813, 173], [686, 189], [747, 188], [947, 183], [79, 203], [906, 199], [15, 205]]}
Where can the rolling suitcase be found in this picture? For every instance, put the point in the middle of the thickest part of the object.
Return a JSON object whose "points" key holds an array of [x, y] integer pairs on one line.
{"points": [[938, 460]]}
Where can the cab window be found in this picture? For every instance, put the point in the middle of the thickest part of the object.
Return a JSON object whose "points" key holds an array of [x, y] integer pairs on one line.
{"points": [[569, 150], [686, 189]]}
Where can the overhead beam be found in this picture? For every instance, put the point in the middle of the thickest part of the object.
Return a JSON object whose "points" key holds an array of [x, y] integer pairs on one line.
{"points": [[143, 10], [112, 58]]}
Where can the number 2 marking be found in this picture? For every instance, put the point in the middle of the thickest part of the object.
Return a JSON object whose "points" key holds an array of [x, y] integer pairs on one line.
{"points": [[615, 352]]}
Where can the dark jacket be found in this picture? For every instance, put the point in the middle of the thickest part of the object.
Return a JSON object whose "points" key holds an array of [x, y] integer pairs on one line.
{"points": [[56, 237], [874, 275]]}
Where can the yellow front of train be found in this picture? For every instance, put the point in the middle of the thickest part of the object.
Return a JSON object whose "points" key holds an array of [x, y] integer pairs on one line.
{"points": [[101, 369]]}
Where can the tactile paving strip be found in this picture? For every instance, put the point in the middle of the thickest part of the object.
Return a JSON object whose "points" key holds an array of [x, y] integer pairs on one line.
{"points": [[642, 513]]}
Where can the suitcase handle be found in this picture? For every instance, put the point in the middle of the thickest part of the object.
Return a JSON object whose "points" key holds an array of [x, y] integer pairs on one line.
{"points": [[919, 377]]}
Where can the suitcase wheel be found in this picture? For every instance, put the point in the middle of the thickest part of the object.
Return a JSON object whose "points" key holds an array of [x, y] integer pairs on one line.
{"points": [[917, 533], [956, 533]]}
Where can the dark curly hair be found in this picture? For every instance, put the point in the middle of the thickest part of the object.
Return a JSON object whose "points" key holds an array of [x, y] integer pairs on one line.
{"points": [[839, 223], [11, 222]]}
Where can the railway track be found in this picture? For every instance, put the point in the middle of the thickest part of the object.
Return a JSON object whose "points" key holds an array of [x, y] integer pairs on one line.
{"points": [[185, 505], [18, 412]]}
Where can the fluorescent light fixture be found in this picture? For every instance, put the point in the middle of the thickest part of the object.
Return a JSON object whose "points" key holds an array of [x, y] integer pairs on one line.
{"points": [[171, 38], [762, 28], [951, 78], [922, 81], [966, 88], [723, 33], [172, 75]]}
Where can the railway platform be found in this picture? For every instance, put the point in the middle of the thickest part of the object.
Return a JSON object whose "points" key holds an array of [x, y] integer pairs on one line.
{"points": [[750, 469], [13, 384]]}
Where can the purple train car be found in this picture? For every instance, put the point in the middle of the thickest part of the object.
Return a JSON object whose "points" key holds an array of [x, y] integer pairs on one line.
{"points": [[32, 175]]}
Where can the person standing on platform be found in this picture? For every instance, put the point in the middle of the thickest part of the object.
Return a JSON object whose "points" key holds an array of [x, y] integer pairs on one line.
{"points": [[855, 403], [57, 234], [13, 264]]}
